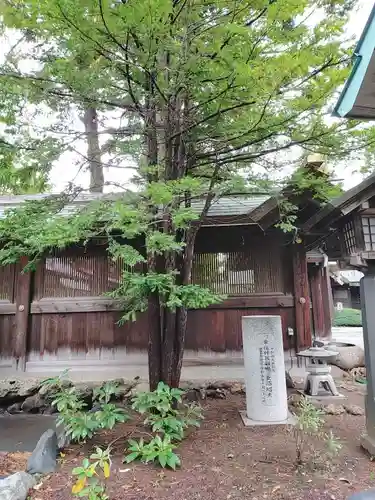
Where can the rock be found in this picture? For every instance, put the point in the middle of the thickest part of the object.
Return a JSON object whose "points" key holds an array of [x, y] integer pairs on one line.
{"points": [[348, 357], [289, 381], [49, 391], [43, 458], [237, 388], [12, 390], [219, 384], [332, 409], [85, 394], [16, 486], [354, 410], [34, 404], [50, 410], [364, 495], [294, 400], [216, 393], [14, 408], [141, 387], [192, 395], [63, 440]]}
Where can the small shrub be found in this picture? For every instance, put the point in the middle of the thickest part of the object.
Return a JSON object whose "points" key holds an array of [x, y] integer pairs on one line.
{"points": [[106, 392], [348, 317], [91, 477], [168, 418], [310, 422], [157, 450], [79, 423]]}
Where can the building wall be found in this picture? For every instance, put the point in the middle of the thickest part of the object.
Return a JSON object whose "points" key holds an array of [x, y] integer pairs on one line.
{"points": [[67, 319]]}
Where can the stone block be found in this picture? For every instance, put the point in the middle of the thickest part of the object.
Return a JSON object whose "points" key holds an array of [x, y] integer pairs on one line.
{"points": [[16, 486], [43, 458], [348, 357], [34, 404], [266, 396]]}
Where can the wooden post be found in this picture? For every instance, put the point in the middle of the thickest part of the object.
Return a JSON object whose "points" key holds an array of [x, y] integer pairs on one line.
{"points": [[23, 296], [316, 281], [327, 303], [301, 297]]}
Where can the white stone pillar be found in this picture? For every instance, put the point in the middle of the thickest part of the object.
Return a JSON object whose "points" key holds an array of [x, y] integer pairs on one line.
{"points": [[266, 396]]}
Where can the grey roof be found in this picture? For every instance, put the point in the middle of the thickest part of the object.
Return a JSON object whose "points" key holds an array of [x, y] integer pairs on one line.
{"points": [[240, 204]]}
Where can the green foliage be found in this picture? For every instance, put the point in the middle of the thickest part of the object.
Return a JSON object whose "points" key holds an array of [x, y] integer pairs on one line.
{"points": [[168, 419], [161, 401], [195, 99], [310, 422], [79, 423], [348, 317], [106, 392], [91, 476], [159, 449]]}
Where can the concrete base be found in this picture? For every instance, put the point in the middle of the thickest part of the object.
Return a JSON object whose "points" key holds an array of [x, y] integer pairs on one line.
{"points": [[248, 422], [368, 444], [325, 400]]}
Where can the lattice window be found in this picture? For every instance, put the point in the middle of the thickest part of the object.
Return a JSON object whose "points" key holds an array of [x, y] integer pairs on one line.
{"points": [[7, 282], [238, 273], [349, 237], [368, 226], [76, 276]]}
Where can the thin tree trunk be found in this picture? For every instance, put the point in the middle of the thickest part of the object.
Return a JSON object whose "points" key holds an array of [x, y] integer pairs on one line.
{"points": [[90, 121]]}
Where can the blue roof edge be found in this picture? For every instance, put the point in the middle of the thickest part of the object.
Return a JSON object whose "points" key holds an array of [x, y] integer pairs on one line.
{"points": [[362, 56]]}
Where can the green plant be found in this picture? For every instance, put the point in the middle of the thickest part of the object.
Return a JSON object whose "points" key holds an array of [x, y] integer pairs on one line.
{"points": [[79, 426], [92, 475], [348, 317], [106, 392], [175, 421], [109, 414], [165, 412], [168, 417], [78, 423], [310, 422], [157, 450], [162, 400]]}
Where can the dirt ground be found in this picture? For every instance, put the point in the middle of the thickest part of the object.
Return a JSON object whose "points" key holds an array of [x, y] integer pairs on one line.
{"points": [[223, 460]]}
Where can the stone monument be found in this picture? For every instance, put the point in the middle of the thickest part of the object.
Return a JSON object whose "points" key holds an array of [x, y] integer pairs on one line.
{"points": [[368, 321], [266, 397]]}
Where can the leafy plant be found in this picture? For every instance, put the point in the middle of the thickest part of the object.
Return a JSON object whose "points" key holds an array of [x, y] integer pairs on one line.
{"points": [[67, 400], [78, 423], [106, 392], [161, 400], [92, 475], [310, 422], [166, 414], [109, 414], [157, 450], [79, 426]]}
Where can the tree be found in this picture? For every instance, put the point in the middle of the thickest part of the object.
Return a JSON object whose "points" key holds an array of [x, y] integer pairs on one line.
{"points": [[204, 94]]}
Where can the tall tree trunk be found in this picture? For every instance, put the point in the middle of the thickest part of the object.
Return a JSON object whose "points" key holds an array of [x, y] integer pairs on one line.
{"points": [[90, 121]]}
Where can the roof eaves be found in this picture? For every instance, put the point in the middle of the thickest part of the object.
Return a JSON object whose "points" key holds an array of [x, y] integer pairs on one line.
{"points": [[345, 203], [362, 57]]}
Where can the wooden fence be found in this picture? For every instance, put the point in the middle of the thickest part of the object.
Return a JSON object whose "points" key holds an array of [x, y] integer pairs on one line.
{"points": [[61, 305]]}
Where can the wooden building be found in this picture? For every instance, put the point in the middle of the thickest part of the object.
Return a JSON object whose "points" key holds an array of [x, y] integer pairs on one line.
{"points": [[58, 317]]}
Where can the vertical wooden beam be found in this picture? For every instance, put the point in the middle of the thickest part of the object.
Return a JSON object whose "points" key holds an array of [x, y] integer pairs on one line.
{"points": [[301, 297], [23, 297], [317, 300], [327, 303]]}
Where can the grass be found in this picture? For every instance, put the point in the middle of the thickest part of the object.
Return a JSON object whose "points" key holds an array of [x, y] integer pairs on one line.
{"points": [[348, 317]]}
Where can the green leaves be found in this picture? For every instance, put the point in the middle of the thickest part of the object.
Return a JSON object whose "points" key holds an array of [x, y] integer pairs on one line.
{"points": [[157, 450], [88, 484]]}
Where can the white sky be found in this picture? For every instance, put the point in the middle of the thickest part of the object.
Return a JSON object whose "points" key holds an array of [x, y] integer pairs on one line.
{"points": [[65, 170]]}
